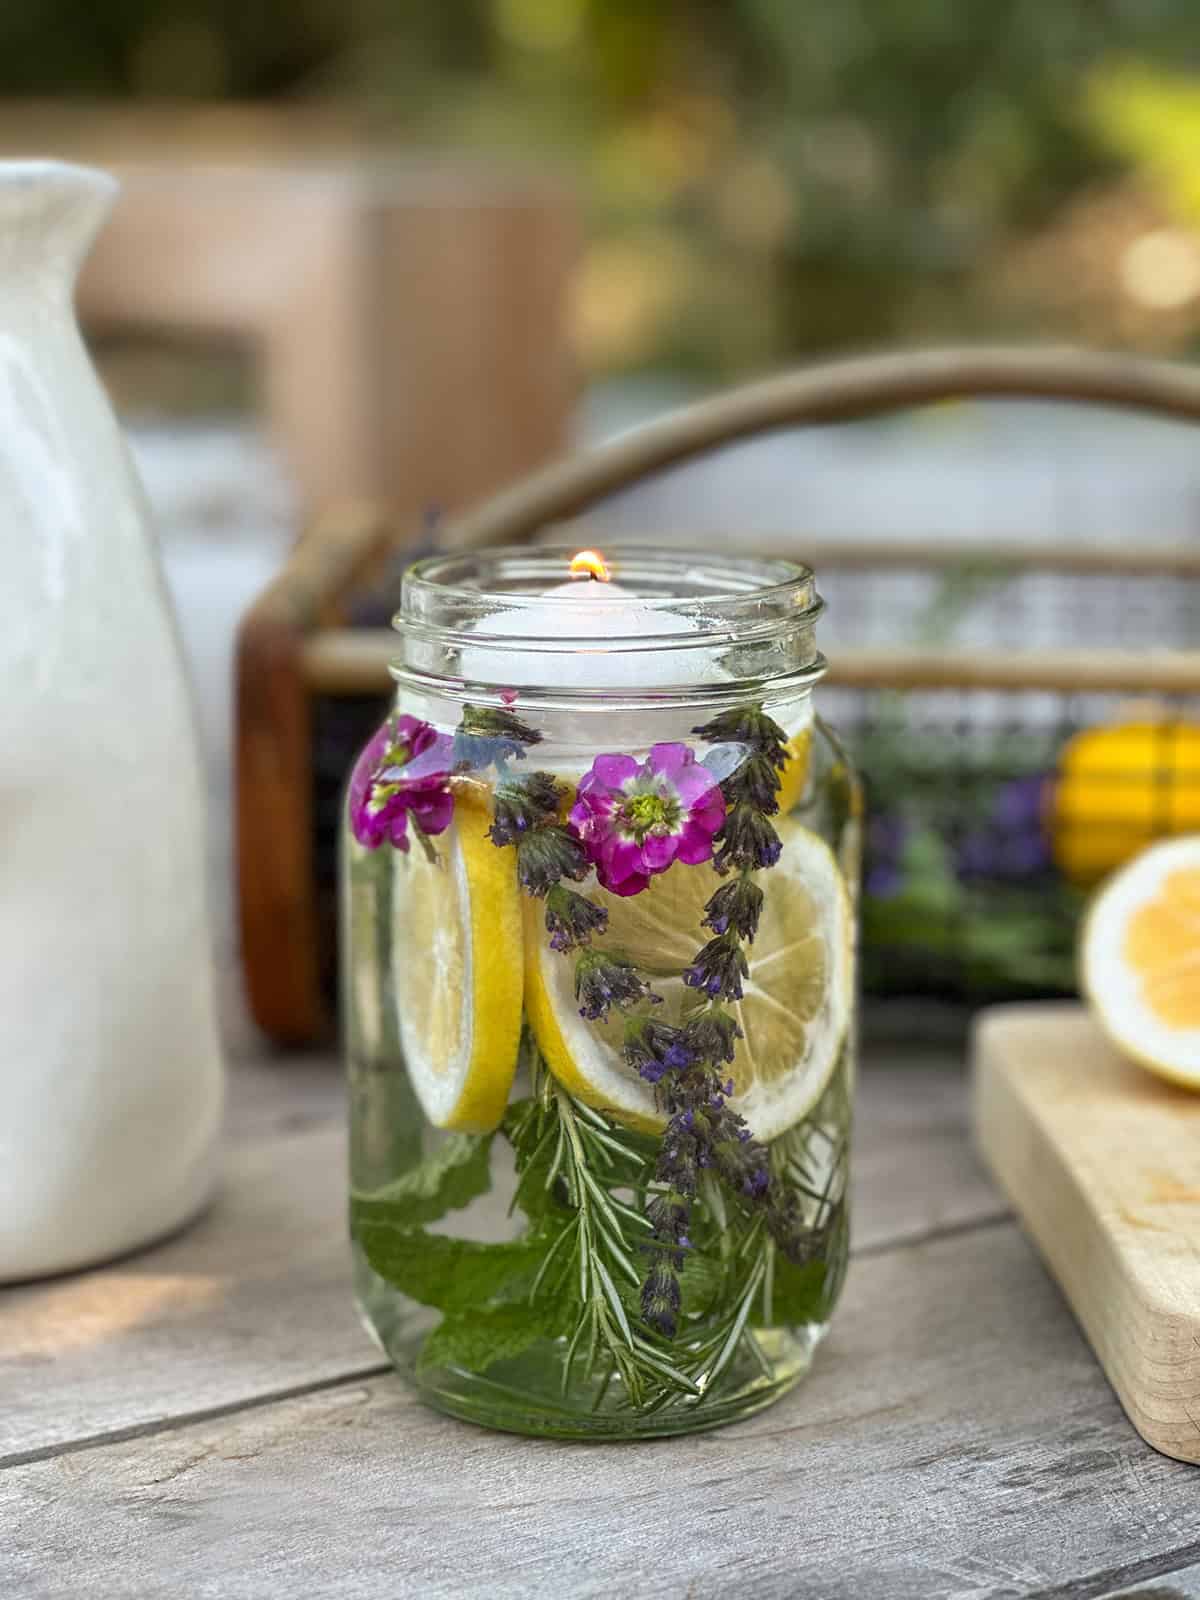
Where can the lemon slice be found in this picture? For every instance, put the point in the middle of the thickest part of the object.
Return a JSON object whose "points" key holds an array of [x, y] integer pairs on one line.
{"points": [[795, 773], [793, 1014], [1140, 959], [456, 972]]}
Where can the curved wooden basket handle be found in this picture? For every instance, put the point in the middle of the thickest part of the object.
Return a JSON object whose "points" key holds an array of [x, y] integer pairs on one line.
{"points": [[836, 392]]}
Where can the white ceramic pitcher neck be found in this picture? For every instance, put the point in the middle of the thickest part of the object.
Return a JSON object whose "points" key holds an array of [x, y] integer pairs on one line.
{"points": [[50, 211]]}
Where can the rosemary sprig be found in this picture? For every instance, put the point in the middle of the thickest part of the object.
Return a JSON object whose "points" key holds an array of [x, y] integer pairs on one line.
{"points": [[568, 1152]]}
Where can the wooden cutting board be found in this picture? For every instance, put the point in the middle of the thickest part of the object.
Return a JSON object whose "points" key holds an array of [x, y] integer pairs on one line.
{"points": [[1101, 1161]]}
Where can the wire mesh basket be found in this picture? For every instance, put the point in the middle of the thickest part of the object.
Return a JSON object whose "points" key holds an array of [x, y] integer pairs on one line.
{"points": [[1000, 786], [1025, 719], [1023, 726]]}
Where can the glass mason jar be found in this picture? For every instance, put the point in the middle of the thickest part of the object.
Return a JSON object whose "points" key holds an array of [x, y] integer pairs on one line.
{"points": [[599, 879]]}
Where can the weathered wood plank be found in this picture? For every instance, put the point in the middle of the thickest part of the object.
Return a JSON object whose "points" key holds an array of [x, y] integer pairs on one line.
{"points": [[255, 1299], [252, 1300], [915, 1172], [956, 1440]]}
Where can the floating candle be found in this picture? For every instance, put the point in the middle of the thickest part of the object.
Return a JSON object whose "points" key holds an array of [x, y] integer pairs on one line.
{"points": [[590, 605]]}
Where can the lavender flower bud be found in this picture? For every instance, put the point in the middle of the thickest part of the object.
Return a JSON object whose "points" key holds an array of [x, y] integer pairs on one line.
{"points": [[572, 919], [747, 841], [755, 782], [670, 1216], [748, 725], [713, 1035], [662, 1297], [798, 1241], [719, 968], [500, 723], [521, 804], [488, 736], [603, 981], [742, 1163], [653, 1049], [684, 1151], [547, 854], [737, 905]]}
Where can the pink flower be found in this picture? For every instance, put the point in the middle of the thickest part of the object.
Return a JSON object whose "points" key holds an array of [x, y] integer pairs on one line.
{"points": [[404, 769], [635, 818]]}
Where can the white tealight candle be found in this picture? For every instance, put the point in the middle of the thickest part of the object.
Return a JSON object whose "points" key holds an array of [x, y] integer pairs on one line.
{"points": [[588, 607]]}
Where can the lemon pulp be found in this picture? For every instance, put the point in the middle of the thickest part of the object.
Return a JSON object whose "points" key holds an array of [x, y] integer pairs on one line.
{"points": [[1140, 959], [793, 1014]]}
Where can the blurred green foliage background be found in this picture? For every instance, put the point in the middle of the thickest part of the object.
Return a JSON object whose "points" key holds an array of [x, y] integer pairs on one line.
{"points": [[762, 178]]}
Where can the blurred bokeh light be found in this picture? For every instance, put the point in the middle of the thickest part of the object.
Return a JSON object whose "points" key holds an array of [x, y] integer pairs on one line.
{"points": [[761, 179]]}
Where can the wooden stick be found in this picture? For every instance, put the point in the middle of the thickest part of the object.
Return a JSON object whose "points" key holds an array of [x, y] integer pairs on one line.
{"points": [[834, 553], [280, 926], [355, 661], [836, 392], [1061, 671]]}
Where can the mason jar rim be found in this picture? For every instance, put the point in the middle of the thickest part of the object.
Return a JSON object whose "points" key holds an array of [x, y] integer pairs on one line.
{"points": [[715, 590], [756, 612]]}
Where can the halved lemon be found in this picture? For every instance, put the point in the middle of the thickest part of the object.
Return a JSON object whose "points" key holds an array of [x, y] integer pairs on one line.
{"points": [[793, 1014], [456, 972], [1140, 959]]}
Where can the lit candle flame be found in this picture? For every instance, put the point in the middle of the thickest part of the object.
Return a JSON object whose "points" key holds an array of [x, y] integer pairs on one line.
{"points": [[590, 564]]}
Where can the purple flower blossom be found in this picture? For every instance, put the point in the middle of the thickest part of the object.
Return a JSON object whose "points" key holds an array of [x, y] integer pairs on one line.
{"points": [[635, 818], [405, 769], [887, 836], [1012, 843]]}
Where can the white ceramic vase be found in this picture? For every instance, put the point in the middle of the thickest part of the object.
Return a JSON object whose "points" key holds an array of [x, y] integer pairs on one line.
{"points": [[110, 1071]]}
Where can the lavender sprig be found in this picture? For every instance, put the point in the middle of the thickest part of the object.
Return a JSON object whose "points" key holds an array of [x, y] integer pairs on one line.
{"points": [[682, 1062], [703, 1131]]}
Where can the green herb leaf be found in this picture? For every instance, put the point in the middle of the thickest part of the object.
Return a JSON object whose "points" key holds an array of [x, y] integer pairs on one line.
{"points": [[451, 1274], [477, 1339], [797, 1293], [454, 1175], [537, 1143], [703, 1282]]}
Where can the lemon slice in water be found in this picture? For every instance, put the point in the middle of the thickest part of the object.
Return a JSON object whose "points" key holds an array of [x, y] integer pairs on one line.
{"points": [[795, 772], [793, 1014], [456, 972]]}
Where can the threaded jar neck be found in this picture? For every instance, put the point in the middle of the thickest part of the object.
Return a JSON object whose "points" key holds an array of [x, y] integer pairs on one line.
{"points": [[670, 627]]}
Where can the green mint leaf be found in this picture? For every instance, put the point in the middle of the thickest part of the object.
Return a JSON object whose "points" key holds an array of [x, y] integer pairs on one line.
{"points": [[454, 1175], [477, 1339], [451, 1274], [797, 1294]]}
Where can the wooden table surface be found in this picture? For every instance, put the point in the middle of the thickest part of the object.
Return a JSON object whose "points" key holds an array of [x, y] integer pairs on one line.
{"points": [[207, 1418]]}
